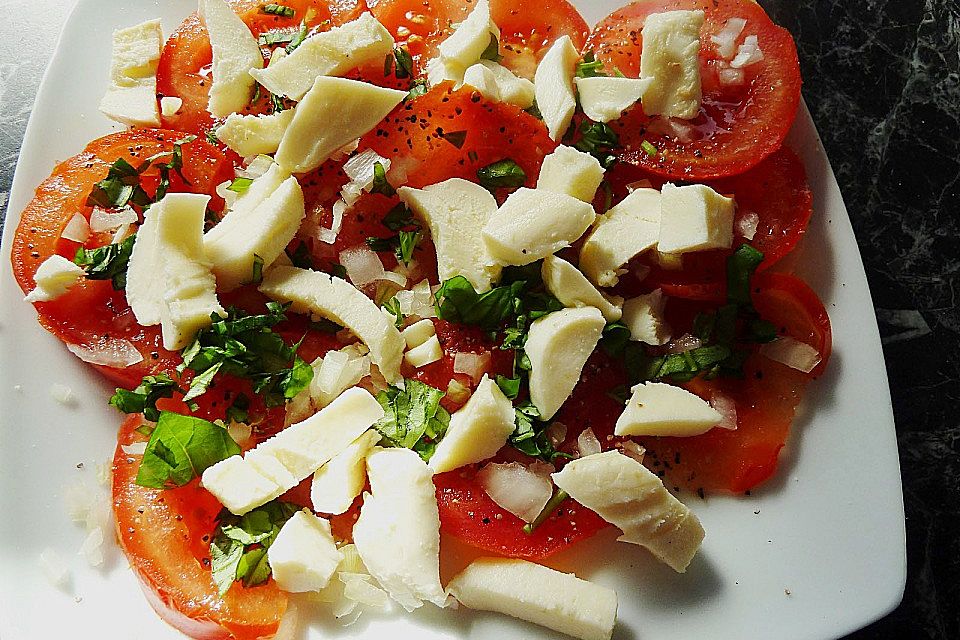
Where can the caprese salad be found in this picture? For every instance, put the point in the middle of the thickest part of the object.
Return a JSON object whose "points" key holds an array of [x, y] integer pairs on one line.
{"points": [[366, 273]]}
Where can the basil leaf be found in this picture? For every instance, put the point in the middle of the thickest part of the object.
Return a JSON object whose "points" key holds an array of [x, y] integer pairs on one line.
{"points": [[740, 268], [392, 306], [458, 301], [492, 52], [278, 10], [299, 38], [413, 417], [404, 63], [380, 183], [590, 67], [239, 547], [503, 173], [598, 139], [407, 241], [180, 449], [398, 218], [108, 262], [144, 398], [530, 434], [615, 337], [240, 185], [120, 187], [301, 257], [225, 557], [509, 386]]}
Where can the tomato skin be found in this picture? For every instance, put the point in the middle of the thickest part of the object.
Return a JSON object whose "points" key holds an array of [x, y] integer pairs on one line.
{"points": [[92, 309], [737, 127], [797, 311], [162, 534]]}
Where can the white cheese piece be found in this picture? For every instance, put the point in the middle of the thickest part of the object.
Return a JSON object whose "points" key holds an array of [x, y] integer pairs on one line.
{"points": [[499, 84], [520, 489], [54, 277], [644, 317], [304, 555], [254, 135], [398, 531], [456, 211], [235, 53], [572, 288], [424, 354], [472, 37], [261, 223], [694, 218], [477, 430], [660, 409], [283, 461], [337, 483], [341, 302], [332, 114], [626, 231], [572, 172], [553, 83], [671, 59], [535, 223], [629, 496], [558, 346], [328, 53], [604, 99], [170, 106], [418, 333], [537, 594], [482, 79], [132, 95], [440, 70]]}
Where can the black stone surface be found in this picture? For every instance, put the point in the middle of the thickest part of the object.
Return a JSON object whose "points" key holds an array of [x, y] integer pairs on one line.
{"points": [[882, 79]]}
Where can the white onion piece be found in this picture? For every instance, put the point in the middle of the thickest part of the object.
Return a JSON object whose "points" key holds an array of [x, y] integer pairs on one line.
{"points": [[54, 568], [362, 264], [329, 236], [112, 353], [360, 169], [257, 166], [726, 38], [77, 230], [516, 488], [402, 168], [726, 407], [557, 433], [229, 197], [103, 220], [793, 353], [679, 129], [747, 225], [417, 302], [239, 432], [358, 588], [686, 342], [122, 233], [587, 443], [633, 450], [458, 392], [731, 77], [134, 449], [92, 547], [747, 54], [472, 364], [396, 278]]}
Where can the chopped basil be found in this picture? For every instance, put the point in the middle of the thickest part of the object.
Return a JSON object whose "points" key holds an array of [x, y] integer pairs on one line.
{"points": [[398, 218], [649, 148], [338, 271], [144, 398], [119, 188], [180, 449], [300, 257], [530, 434], [278, 36], [740, 268], [240, 185], [598, 139], [456, 138], [404, 63], [503, 173], [548, 509], [607, 196], [211, 136], [417, 89], [392, 306], [408, 241], [413, 418], [299, 38], [257, 271], [492, 52], [239, 410], [458, 301], [590, 67], [240, 544], [108, 262], [509, 386], [382, 245], [615, 338], [278, 10], [380, 183], [534, 110]]}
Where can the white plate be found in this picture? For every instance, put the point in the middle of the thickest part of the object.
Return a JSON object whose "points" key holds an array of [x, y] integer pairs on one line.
{"points": [[815, 554]]}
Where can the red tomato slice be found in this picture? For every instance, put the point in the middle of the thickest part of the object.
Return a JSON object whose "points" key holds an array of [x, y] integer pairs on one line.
{"points": [[737, 126], [524, 35], [91, 313], [796, 310], [165, 535]]}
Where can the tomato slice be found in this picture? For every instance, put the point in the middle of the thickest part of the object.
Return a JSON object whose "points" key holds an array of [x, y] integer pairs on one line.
{"points": [[524, 35], [737, 126], [165, 535], [92, 313]]}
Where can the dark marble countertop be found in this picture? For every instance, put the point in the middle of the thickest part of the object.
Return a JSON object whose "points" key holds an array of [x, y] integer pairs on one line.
{"points": [[882, 79]]}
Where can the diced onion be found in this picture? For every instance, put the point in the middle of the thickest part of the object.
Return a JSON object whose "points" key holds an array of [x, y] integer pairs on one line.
{"points": [[793, 353], [357, 587], [363, 266], [587, 443], [92, 547], [731, 77], [747, 54], [360, 168], [747, 225], [458, 392], [54, 568], [633, 450], [134, 449], [516, 488], [329, 236], [240, 432], [686, 342], [61, 393], [472, 364], [122, 233], [117, 353], [229, 197], [726, 38], [102, 220], [726, 407], [77, 230], [417, 302]]}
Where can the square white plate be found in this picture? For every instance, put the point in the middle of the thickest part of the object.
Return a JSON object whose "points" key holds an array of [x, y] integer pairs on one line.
{"points": [[814, 554]]}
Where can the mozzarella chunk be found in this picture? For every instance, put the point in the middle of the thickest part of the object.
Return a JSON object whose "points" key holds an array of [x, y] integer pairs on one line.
{"points": [[694, 218], [132, 95], [261, 223], [254, 135], [398, 531], [572, 288], [644, 318], [522, 490], [456, 211], [533, 224], [626, 231], [660, 409], [235, 53], [332, 114], [477, 430], [169, 281], [339, 301], [498, 84], [418, 333], [670, 58], [304, 555], [54, 277], [553, 83], [604, 99], [472, 37], [337, 483], [329, 53], [293, 454], [629, 496], [482, 79], [170, 106], [424, 354], [440, 70], [558, 346], [537, 594], [572, 172]]}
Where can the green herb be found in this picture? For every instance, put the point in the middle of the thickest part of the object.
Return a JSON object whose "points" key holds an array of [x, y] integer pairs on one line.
{"points": [[338, 271], [120, 187], [277, 104], [404, 62], [239, 547], [598, 139], [503, 173], [548, 509], [458, 301], [299, 38], [509, 386], [408, 241], [239, 410], [380, 183], [649, 148], [398, 218], [277, 36], [108, 262], [175, 164], [180, 449], [740, 268], [144, 398], [530, 434], [607, 196], [383, 245], [492, 52], [413, 417], [278, 10], [417, 89], [211, 136], [590, 67], [240, 185], [615, 338], [300, 257], [456, 138], [392, 306]]}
